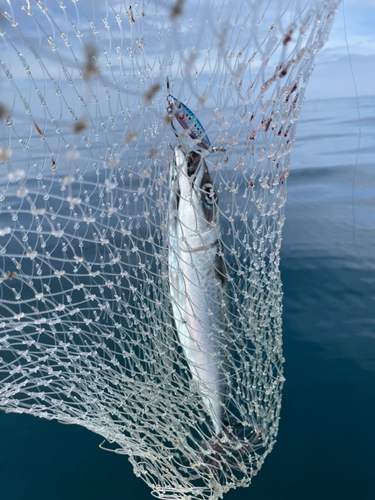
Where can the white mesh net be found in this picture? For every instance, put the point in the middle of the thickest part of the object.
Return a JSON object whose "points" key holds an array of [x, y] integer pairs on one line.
{"points": [[140, 288]]}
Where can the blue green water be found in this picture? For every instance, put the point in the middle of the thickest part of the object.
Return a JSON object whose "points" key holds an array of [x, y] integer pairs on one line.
{"points": [[326, 441]]}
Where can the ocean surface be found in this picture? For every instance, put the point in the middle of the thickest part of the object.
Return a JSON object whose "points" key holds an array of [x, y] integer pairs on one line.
{"points": [[326, 442]]}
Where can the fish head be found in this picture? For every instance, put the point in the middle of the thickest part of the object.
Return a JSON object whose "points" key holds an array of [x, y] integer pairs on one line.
{"points": [[197, 209]]}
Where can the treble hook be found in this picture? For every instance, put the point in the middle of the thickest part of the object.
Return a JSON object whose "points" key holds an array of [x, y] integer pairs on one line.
{"points": [[215, 149]]}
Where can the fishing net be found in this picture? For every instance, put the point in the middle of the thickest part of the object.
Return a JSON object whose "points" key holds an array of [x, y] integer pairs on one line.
{"points": [[88, 326]]}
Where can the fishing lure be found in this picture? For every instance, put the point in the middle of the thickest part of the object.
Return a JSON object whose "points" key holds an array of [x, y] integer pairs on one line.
{"points": [[188, 121]]}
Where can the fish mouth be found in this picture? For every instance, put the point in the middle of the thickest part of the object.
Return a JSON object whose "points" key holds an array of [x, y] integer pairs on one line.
{"points": [[188, 170], [194, 162]]}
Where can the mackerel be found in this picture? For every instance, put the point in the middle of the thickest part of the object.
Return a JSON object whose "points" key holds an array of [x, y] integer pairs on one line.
{"points": [[197, 277]]}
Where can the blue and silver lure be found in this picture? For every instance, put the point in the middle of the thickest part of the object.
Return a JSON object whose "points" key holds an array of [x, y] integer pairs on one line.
{"points": [[188, 121]]}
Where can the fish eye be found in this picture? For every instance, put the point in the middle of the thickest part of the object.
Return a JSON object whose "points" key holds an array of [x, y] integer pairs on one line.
{"points": [[177, 104], [208, 193]]}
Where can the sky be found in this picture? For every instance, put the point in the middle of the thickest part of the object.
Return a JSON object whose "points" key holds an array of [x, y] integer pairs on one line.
{"points": [[352, 40]]}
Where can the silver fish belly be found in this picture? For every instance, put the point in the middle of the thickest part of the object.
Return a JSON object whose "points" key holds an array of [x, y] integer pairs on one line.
{"points": [[197, 278]]}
